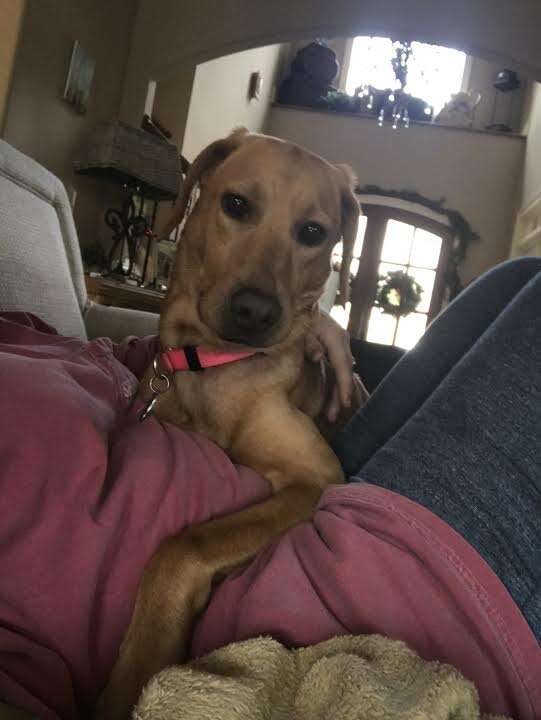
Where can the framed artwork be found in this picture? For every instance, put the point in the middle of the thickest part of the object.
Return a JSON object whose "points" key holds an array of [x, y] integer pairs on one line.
{"points": [[80, 77]]}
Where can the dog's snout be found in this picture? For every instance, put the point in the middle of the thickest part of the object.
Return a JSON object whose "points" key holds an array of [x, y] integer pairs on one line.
{"points": [[254, 312]]}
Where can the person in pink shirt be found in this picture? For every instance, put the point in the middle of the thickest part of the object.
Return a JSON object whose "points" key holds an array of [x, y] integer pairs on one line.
{"points": [[436, 539]]}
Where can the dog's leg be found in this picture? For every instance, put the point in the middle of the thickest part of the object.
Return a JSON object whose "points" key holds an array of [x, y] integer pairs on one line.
{"points": [[176, 585], [177, 582]]}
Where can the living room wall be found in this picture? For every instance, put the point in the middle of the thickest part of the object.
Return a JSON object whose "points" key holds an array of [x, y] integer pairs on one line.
{"points": [[202, 103], [220, 102], [38, 122], [478, 173], [171, 103], [11, 13]]}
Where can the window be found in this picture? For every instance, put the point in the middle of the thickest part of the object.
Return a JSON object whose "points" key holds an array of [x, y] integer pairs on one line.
{"points": [[416, 252], [391, 239], [434, 72]]}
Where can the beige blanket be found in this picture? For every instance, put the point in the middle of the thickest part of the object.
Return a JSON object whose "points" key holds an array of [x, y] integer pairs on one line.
{"points": [[346, 678]]}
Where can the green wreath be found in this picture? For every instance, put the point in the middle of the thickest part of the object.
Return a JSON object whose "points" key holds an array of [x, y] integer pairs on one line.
{"points": [[398, 294]]}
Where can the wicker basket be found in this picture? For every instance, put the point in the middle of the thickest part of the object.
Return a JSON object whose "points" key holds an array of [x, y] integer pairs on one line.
{"points": [[120, 153]]}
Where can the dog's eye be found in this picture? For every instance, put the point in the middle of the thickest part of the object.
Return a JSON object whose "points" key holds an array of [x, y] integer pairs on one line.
{"points": [[311, 234], [235, 206]]}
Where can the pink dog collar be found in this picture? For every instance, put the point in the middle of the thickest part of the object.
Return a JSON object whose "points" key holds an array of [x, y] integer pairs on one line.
{"points": [[193, 358], [186, 358]]}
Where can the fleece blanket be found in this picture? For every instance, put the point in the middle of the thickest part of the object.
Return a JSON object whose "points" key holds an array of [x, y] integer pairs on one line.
{"points": [[346, 678]]}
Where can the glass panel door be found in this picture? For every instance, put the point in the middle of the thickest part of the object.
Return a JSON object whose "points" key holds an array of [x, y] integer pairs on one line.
{"points": [[416, 252]]}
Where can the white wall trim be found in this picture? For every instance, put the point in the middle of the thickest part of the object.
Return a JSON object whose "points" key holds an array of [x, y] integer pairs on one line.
{"points": [[527, 235]]}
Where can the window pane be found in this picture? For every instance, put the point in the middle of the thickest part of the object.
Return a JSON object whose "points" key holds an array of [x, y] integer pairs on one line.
{"points": [[434, 73], [359, 240], [370, 64], [354, 267], [426, 279], [381, 327], [397, 242], [426, 249], [341, 315], [410, 330]]}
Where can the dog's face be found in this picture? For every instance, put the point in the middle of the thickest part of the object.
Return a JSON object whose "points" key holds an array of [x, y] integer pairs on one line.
{"points": [[256, 249]]}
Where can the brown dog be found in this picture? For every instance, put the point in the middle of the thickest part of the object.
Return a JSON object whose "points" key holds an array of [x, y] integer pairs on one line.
{"points": [[253, 260]]}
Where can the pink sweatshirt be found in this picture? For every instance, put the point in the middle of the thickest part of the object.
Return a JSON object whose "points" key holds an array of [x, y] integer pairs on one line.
{"points": [[88, 492]]}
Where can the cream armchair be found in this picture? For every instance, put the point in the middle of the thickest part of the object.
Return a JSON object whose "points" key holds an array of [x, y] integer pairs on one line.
{"points": [[41, 269]]}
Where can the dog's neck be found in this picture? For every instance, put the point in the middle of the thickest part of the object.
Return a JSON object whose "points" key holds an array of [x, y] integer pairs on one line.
{"points": [[196, 359]]}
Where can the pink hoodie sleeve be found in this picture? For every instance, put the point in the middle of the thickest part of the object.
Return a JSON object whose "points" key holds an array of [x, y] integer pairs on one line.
{"points": [[137, 353]]}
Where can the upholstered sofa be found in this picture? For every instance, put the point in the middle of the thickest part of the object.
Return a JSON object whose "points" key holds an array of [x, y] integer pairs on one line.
{"points": [[41, 270]]}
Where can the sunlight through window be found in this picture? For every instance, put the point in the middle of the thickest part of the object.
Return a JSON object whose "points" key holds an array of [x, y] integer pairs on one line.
{"points": [[434, 72], [416, 252], [341, 314]]}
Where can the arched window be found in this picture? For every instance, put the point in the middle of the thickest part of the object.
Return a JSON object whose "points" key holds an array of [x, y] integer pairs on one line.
{"points": [[395, 235]]}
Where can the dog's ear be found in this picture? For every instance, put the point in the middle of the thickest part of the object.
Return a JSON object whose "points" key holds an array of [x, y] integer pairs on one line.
{"points": [[350, 211], [207, 160]]}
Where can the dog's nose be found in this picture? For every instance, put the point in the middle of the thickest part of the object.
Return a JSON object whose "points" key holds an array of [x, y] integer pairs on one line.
{"points": [[254, 312]]}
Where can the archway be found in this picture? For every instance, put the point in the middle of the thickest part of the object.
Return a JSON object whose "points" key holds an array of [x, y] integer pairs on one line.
{"points": [[171, 35]]}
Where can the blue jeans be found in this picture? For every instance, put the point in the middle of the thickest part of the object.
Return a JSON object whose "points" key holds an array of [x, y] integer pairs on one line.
{"points": [[456, 426]]}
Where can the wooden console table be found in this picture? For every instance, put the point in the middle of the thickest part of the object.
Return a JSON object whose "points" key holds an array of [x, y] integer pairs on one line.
{"points": [[106, 291]]}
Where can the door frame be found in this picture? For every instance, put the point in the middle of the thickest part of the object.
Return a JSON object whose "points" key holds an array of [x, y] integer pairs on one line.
{"points": [[365, 283]]}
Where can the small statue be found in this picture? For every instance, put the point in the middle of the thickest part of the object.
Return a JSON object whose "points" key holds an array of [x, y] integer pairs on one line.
{"points": [[458, 111], [311, 74]]}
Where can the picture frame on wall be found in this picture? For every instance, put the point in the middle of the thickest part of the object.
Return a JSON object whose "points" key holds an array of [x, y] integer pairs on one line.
{"points": [[79, 79]]}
